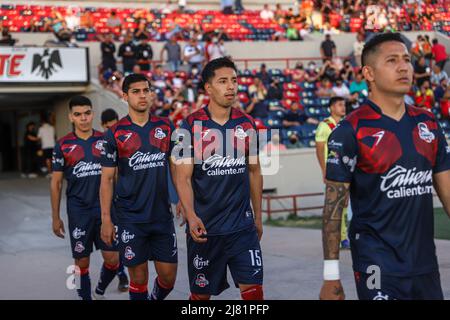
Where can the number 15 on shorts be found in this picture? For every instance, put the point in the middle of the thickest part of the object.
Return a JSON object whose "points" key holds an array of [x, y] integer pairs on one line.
{"points": [[255, 255]]}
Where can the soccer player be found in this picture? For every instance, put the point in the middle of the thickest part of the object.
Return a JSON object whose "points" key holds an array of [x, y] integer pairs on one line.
{"points": [[138, 147], [388, 155], [217, 176], [109, 117], [337, 110], [76, 157]]}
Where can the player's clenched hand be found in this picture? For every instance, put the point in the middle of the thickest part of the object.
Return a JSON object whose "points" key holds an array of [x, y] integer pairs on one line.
{"points": [[197, 229], [332, 290], [180, 214], [58, 228], [108, 232]]}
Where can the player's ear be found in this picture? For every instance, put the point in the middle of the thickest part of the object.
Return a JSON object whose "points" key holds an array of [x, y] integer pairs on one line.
{"points": [[70, 116], [125, 96], [208, 88], [368, 73]]}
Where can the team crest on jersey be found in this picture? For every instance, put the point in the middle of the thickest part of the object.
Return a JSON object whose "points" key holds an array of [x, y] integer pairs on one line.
{"points": [[78, 233], [159, 134], [240, 133], [79, 247], [201, 280], [99, 145], [425, 133], [129, 254]]}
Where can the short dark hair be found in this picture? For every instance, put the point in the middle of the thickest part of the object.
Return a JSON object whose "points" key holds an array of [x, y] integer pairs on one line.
{"points": [[334, 100], [109, 115], [435, 41], [133, 78], [211, 67], [79, 101], [374, 43]]}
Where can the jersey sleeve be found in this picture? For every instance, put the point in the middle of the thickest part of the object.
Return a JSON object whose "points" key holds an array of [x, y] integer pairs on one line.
{"points": [[109, 152], [342, 153], [322, 132], [58, 158], [443, 153]]}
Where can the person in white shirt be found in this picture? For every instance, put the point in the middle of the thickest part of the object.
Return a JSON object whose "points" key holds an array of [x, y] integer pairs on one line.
{"points": [[358, 47], [216, 49], [266, 13], [193, 54], [46, 134], [340, 89]]}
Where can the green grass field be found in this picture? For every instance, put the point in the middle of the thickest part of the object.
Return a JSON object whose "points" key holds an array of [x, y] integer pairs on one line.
{"points": [[441, 223]]}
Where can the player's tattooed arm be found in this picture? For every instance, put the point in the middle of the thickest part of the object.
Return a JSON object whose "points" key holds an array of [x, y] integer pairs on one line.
{"points": [[335, 199], [441, 182], [55, 195]]}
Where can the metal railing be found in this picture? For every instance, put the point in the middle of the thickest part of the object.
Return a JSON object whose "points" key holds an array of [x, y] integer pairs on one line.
{"points": [[295, 205]]}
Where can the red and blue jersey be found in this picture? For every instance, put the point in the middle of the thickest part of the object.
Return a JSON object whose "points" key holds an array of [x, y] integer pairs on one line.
{"points": [[390, 165], [79, 160], [141, 155], [220, 179]]}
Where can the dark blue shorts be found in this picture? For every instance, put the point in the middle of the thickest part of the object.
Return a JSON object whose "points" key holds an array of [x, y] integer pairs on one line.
{"points": [[422, 287], [207, 262], [85, 233], [141, 242]]}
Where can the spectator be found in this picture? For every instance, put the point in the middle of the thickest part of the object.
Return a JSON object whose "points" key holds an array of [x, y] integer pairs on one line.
{"points": [[439, 53], [306, 8], [275, 91], [227, 6], [87, 20], [294, 118], [238, 6], [30, 148], [325, 88], [72, 20], [263, 75], [327, 49], [427, 50], [61, 31], [108, 48], [347, 73], [168, 7], [144, 54], [266, 13], [358, 47], [193, 54], [127, 51], [416, 49], [173, 50], [294, 141], [216, 49], [444, 102], [141, 31], [299, 74], [159, 80], [437, 75], [258, 89], [258, 107], [114, 83], [181, 6], [7, 39], [425, 96], [46, 134], [340, 89], [359, 88], [114, 21], [440, 90], [279, 14], [292, 33], [421, 72]]}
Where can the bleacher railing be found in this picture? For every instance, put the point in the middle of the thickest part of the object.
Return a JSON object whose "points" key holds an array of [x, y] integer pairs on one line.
{"points": [[296, 207]]}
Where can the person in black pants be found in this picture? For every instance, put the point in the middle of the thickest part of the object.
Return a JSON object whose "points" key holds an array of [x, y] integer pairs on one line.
{"points": [[127, 51], [108, 49], [30, 148]]}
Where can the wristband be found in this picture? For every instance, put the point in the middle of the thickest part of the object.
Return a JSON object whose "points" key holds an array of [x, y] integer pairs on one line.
{"points": [[331, 270]]}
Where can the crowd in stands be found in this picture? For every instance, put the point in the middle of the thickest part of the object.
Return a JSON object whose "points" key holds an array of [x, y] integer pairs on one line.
{"points": [[232, 23], [292, 100]]}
